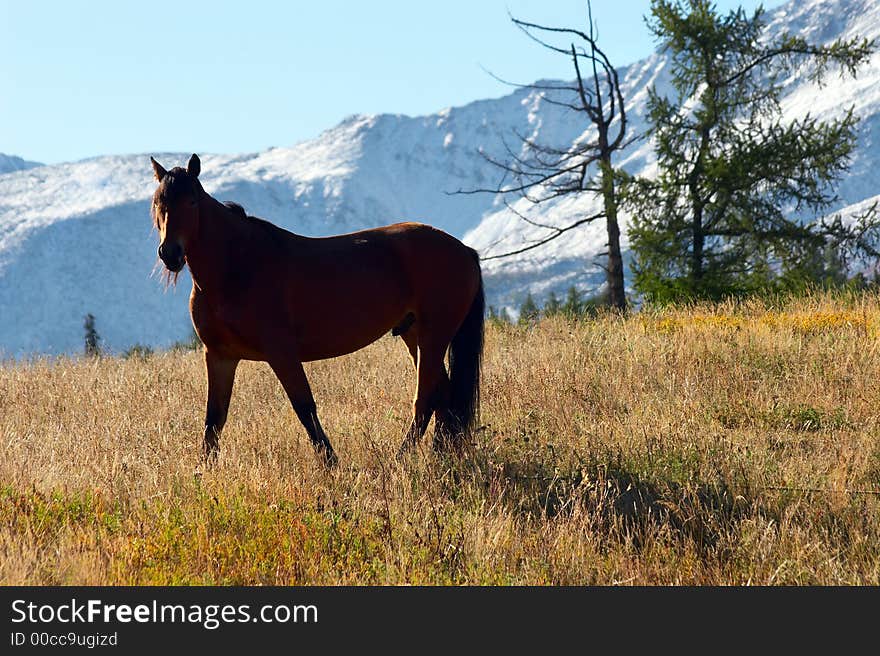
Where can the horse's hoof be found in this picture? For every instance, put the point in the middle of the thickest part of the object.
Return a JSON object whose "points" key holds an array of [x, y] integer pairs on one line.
{"points": [[329, 458], [445, 441], [210, 454], [404, 450]]}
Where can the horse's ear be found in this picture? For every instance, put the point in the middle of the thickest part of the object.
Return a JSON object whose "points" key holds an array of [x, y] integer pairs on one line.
{"points": [[158, 170], [194, 167]]}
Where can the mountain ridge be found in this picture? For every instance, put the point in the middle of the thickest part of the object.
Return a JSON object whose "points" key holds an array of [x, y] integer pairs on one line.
{"points": [[10, 163]]}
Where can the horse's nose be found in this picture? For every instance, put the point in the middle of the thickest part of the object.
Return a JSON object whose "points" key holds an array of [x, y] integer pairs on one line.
{"points": [[171, 255], [170, 251]]}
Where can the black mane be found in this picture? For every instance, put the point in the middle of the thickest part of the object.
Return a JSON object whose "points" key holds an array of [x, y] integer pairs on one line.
{"points": [[238, 209]]}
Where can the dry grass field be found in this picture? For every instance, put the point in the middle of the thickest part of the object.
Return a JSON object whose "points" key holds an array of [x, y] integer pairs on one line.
{"points": [[731, 444]]}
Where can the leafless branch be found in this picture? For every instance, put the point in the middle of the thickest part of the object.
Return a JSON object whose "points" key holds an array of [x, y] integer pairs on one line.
{"points": [[540, 242]]}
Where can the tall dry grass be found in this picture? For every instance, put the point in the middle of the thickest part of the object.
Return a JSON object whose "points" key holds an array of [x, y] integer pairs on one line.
{"points": [[729, 444]]}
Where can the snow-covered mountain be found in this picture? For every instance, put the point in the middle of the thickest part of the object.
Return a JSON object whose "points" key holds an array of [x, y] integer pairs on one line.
{"points": [[76, 238]]}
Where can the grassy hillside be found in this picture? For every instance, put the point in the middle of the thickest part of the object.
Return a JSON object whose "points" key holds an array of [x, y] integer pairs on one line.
{"points": [[710, 445]]}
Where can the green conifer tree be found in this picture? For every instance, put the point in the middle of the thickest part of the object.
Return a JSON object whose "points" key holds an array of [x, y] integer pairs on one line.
{"points": [[528, 311], [717, 220], [574, 305], [92, 339], [552, 306]]}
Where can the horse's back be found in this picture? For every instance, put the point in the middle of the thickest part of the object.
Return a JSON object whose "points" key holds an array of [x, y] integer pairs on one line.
{"points": [[413, 267], [422, 253]]}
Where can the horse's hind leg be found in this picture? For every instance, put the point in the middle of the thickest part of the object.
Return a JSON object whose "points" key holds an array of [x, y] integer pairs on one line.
{"points": [[445, 428], [293, 379], [221, 375], [432, 392], [410, 338]]}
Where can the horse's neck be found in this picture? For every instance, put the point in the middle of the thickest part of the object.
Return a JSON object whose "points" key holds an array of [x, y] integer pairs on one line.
{"points": [[214, 252]]}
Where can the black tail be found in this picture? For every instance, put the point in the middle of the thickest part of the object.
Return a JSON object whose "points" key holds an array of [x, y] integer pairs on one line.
{"points": [[465, 359]]}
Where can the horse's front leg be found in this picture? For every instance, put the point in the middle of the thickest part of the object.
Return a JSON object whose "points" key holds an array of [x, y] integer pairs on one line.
{"points": [[221, 375], [293, 378]]}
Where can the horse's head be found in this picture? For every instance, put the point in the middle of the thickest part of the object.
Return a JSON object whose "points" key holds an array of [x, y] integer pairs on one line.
{"points": [[176, 210]]}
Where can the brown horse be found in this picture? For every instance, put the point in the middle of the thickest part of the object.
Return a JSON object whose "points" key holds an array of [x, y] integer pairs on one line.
{"points": [[262, 293]]}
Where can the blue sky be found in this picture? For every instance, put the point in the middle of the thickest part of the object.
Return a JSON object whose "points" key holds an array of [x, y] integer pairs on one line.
{"points": [[91, 78]]}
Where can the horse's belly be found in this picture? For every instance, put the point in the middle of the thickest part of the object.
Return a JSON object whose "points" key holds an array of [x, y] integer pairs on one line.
{"points": [[347, 304], [319, 340]]}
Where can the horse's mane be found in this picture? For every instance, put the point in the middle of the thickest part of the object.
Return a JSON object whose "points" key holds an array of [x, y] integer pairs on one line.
{"points": [[238, 209], [271, 228]]}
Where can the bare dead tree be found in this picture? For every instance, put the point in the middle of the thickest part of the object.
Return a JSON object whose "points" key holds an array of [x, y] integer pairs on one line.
{"points": [[540, 173]]}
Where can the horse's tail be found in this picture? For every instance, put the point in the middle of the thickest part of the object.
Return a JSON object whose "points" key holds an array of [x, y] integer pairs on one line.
{"points": [[465, 359]]}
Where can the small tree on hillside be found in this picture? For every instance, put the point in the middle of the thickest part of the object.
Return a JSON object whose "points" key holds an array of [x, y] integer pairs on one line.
{"points": [[92, 339], [715, 220], [573, 306], [499, 316], [529, 311], [552, 307]]}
